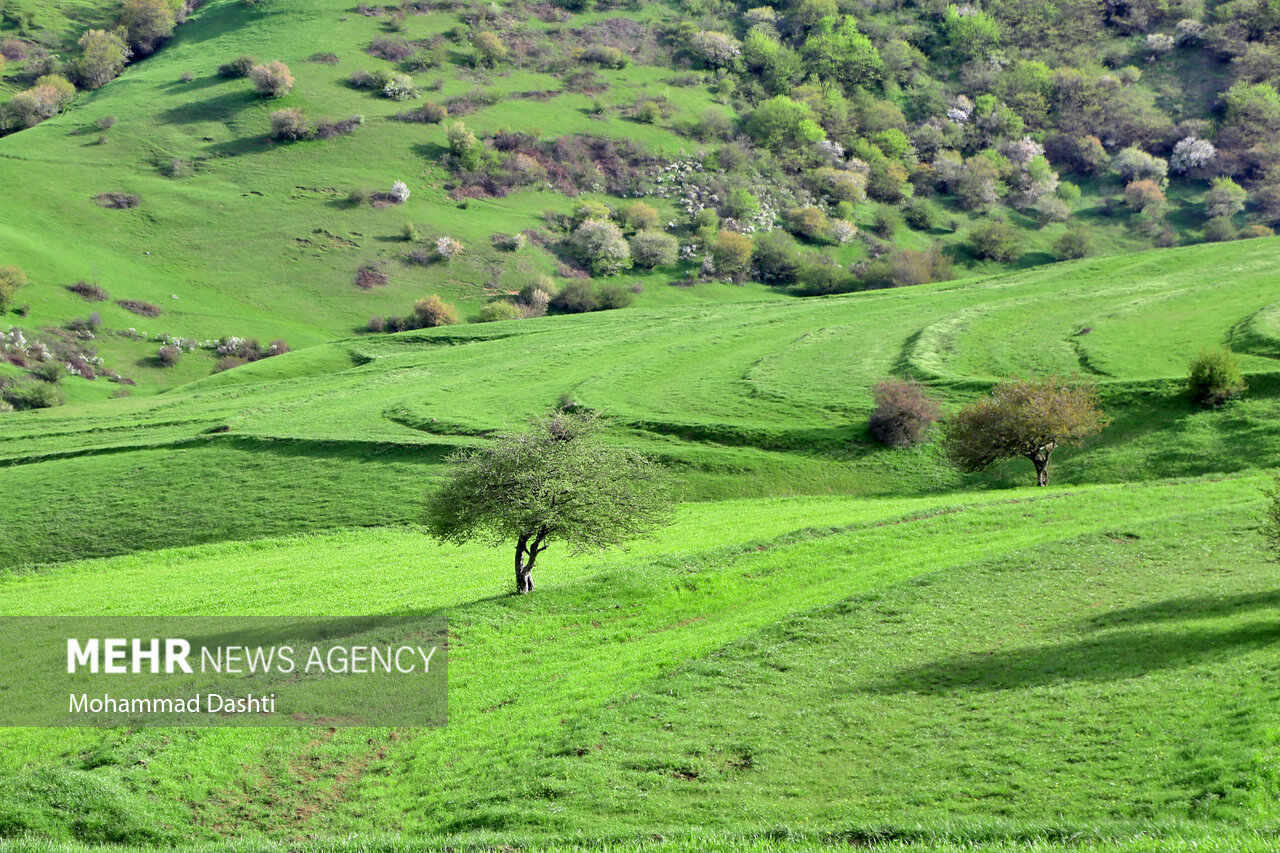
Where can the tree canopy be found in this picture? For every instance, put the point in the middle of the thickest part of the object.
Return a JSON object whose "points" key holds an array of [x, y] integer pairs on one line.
{"points": [[559, 480], [1023, 418]]}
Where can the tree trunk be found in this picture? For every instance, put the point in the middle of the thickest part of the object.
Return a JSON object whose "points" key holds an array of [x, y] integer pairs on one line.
{"points": [[526, 555], [1041, 461], [524, 566]]}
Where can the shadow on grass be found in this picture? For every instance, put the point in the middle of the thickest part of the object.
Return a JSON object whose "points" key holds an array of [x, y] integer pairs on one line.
{"points": [[216, 109], [1116, 656], [1190, 607]]}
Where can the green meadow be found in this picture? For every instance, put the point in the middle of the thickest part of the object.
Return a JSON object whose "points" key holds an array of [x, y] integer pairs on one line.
{"points": [[834, 638], [835, 644]]}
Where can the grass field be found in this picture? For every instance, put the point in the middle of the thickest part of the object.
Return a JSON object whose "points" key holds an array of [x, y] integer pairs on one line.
{"points": [[287, 246], [778, 663], [882, 655], [834, 645]]}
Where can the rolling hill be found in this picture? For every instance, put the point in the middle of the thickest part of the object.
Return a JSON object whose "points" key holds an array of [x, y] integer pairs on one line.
{"points": [[837, 643]]}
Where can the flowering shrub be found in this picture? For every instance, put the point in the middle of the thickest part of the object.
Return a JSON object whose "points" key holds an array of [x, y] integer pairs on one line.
{"points": [[447, 248], [843, 231], [599, 243], [272, 80], [1191, 153], [399, 192], [400, 88]]}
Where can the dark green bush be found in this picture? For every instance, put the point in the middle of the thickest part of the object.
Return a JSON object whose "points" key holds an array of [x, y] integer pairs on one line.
{"points": [[1214, 378]]}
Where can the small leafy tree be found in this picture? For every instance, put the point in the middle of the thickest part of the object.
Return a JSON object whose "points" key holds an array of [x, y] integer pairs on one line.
{"points": [[557, 481], [102, 58], [1023, 417], [1074, 244], [148, 23], [400, 88], [782, 123], [1214, 378], [464, 146]]}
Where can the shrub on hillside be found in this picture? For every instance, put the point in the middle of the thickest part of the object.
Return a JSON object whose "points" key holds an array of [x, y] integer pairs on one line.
{"points": [[1074, 244], [428, 113], [328, 129], [903, 413], [137, 306], [807, 222], [605, 56], [731, 255], [102, 57], [886, 222], [289, 125], [237, 68], [580, 296], [148, 23], [369, 276], [390, 49], [117, 201], [1144, 196], [1220, 229], [11, 278], [498, 311], [399, 192], [905, 267], [44, 100], [271, 80], [1134, 164], [920, 214], [1225, 198], [490, 50], [576, 297], [777, 257], [995, 240], [431, 312], [651, 248], [400, 88], [89, 292], [246, 350], [447, 248], [32, 395], [599, 243], [820, 276], [1214, 378], [168, 356]]}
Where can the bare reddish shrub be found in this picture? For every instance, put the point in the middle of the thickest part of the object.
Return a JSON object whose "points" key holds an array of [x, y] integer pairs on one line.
{"points": [[902, 414]]}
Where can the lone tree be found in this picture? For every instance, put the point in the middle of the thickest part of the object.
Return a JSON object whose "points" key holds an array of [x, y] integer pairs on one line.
{"points": [[1023, 417], [558, 480]]}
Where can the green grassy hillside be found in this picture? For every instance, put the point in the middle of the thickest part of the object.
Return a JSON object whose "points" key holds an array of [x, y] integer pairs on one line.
{"points": [[994, 664], [836, 644], [1065, 661], [237, 234], [745, 399]]}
